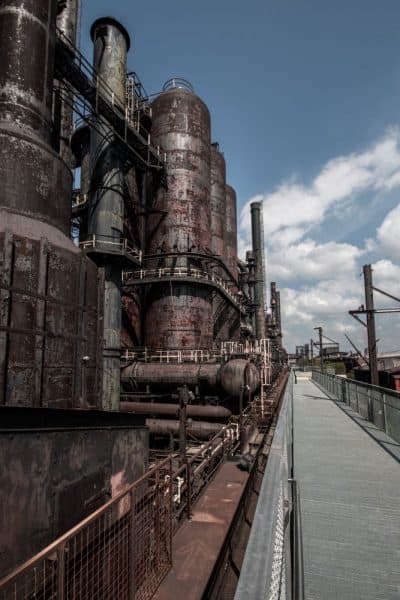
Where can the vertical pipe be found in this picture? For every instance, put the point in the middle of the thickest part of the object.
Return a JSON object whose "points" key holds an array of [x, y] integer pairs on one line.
{"points": [[106, 208], [231, 232], [258, 252], [321, 356], [369, 305], [278, 317], [67, 23], [218, 201]]}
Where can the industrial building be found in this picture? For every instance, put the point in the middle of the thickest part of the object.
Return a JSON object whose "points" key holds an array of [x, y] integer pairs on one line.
{"points": [[137, 359]]}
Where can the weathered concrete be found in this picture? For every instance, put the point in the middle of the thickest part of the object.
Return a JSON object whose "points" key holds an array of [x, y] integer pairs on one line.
{"points": [[350, 489]]}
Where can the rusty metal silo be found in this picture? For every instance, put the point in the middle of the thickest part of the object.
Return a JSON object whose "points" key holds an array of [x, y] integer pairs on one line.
{"points": [[48, 288], [179, 314], [231, 232]]}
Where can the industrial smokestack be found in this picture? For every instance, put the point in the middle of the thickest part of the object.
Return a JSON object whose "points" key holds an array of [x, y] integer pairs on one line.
{"points": [[106, 209], [258, 253]]}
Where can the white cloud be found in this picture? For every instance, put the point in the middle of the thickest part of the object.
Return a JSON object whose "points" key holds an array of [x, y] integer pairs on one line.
{"points": [[324, 278], [388, 233], [311, 261], [295, 207]]}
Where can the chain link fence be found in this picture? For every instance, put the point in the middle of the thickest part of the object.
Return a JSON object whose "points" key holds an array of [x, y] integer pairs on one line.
{"points": [[122, 551]]}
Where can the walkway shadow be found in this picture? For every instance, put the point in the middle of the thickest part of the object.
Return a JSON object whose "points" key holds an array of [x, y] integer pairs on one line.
{"points": [[385, 442]]}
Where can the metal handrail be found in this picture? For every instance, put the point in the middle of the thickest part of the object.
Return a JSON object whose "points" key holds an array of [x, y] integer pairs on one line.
{"points": [[99, 241], [274, 553], [166, 272], [123, 503], [377, 404]]}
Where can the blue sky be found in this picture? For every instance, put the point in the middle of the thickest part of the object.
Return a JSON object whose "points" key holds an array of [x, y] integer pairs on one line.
{"points": [[305, 102]]}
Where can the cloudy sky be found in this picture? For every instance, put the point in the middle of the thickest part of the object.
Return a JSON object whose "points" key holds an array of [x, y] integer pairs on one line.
{"points": [[305, 103]]}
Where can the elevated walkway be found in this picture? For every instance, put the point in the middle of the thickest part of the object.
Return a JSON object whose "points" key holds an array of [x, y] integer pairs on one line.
{"points": [[349, 478]]}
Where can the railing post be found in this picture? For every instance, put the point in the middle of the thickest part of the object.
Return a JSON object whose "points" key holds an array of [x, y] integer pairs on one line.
{"points": [[188, 489], [61, 572], [131, 564], [384, 412]]}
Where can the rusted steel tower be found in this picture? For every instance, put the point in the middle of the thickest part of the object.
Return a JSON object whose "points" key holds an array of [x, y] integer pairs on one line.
{"points": [[179, 313], [48, 322]]}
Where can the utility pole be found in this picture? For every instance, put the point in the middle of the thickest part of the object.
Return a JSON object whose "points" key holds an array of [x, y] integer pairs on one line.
{"points": [[312, 352], [321, 358], [369, 306]]}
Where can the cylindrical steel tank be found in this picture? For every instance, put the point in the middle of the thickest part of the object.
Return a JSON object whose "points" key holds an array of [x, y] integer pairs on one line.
{"points": [[34, 180], [218, 201], [231, 255], [212, 378], [258, 253], [178, 314]]}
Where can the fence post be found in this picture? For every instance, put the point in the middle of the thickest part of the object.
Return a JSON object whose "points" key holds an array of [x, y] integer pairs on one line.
{"points": [[384, 414], [61, 572], [131, 563], [370, 408]]}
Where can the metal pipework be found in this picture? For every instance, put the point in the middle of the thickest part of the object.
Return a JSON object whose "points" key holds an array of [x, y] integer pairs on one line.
{"points": [[106, 208], [34, 180], [67, 23], [218, 201], [258, 252], [231, 250], [200, 429], [159, 408], [212, 378]]}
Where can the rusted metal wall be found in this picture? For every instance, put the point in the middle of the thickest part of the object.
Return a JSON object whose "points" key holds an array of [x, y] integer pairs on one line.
{"points": [[54, 475], [48, 290], [180, 315], [231, 232], [48, 323]]}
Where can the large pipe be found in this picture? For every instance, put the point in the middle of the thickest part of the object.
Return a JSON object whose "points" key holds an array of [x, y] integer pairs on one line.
{"points": [[159, 408], [258, 252], [218, 201], [231, 231], [106, 209], [211, 378], [67, 23], [200, 429]]}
